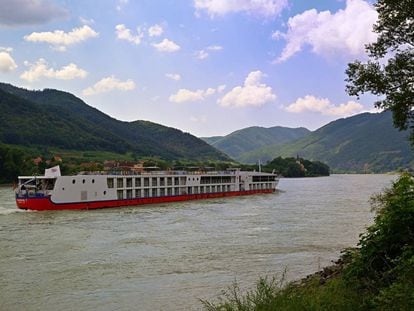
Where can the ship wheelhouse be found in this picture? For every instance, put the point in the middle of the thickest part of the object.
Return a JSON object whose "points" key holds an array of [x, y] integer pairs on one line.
{"points": [[35, 186]]}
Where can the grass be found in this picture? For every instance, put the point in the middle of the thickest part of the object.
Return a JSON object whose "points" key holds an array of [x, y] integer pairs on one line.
{"points": [[308, 294]]}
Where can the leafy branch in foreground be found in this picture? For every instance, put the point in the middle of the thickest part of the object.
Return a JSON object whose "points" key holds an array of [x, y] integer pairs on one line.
{"points": [[390, 70]]}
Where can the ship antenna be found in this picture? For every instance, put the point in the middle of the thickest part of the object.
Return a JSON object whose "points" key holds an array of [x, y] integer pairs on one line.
{"points": [[260, 166]]}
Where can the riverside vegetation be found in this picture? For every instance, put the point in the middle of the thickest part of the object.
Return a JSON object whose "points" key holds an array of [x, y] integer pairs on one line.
{"points": [[15, 161], [378, 275]]}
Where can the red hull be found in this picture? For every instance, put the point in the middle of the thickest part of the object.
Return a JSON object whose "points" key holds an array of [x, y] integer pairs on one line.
{"points": [[46, 204]]}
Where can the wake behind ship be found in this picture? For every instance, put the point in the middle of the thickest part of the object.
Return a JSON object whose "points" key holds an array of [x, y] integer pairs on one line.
{"points": [[100, 190]]}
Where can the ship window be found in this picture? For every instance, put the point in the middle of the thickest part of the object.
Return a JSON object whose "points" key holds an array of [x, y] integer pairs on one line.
{"points": [[162, 181], [73, 181], [169, 191], [146, 193], [154, 181], [176, 181], [162, 192], [63, 189], [129, 182], [83, 181], [138, 193], [104, 192], [137, 182], [93, 181], [120, 182], [49, 184], [110, 182], [146, 182], [120, 194], [154, 192], [129, 194]]}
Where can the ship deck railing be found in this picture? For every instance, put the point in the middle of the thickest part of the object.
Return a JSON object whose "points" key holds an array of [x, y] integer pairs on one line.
{"points": [[135, 173]]}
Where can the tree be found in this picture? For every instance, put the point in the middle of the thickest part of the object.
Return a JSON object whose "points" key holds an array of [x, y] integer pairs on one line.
{"points": [[389, 72]]}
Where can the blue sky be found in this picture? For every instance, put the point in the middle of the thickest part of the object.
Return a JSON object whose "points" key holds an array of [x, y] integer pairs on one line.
{"points": [[207, 67]]}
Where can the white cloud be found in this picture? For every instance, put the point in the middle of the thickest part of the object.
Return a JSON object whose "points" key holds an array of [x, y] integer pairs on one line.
{"points": [[265, 8], [109, 84], [214, 48], [60, 40], [7, 63], [221, 88], [311, 103], [124, 33], [155, 31], [344, 32], [201, 54], [85, 21], [41, 69], [121, 4], [6, 49], [166, 46], [252, 93], [185, 95], [173, 76]]}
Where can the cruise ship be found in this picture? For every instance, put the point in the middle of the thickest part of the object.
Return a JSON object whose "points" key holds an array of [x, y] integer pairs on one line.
{"points": [[101, 189]]}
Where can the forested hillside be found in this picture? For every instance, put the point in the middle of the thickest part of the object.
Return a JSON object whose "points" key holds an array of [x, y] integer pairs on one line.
{"points": [[240, 142], [52, 118], [366, 142]]}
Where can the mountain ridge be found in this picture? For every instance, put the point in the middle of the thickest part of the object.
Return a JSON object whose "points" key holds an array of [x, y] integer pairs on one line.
{"points": [[251, 138], [366, 142], [72, 124]]}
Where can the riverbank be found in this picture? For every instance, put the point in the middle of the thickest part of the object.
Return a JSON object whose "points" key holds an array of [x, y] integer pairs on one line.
{"points": [[379, 275]]}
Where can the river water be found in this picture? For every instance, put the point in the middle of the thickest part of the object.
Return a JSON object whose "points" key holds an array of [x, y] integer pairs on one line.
{"points": [[168, 256]]}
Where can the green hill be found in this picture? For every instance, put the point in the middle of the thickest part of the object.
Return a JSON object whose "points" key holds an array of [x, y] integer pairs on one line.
{"points": [[52, 118], [249, 139], [362, 143]]}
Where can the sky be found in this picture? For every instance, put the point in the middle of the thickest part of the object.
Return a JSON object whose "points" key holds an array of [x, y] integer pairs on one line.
{"points": [[207, 67]]}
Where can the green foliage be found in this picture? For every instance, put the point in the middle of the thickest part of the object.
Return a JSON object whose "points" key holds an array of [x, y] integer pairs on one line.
{"points": [[52, 118], [366, 143], [269, 295], [249, 139], [293, 167], [14, 162], [383, 265], [389, 72]]}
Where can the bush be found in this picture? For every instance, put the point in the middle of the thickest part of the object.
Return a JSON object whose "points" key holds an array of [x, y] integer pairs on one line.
{"points": [[383, 265]]}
